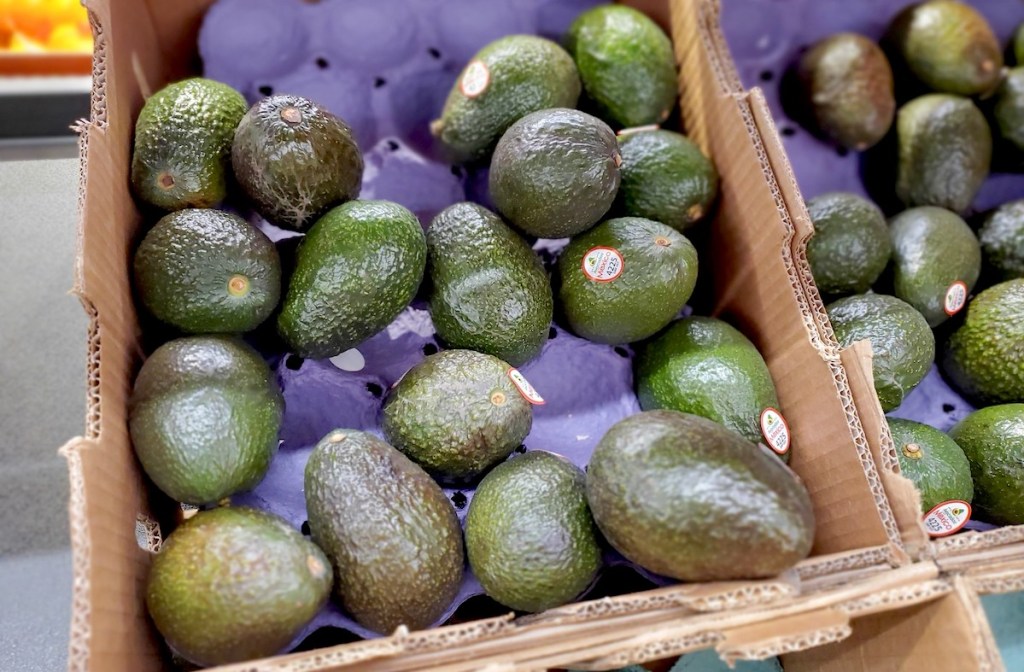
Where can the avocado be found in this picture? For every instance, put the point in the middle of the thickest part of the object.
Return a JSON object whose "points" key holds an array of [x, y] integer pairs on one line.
{"points": [[993, 440], [850, 247], [530, 538], [933, 461], [555, 173], [1018, 45], [204, 417], [505, 81], [625, 279], [932, 249], [665, 177], [626, 65], [687, 498], [1009, 108], [704, 366], [182, 154], [233, 584], [945, 148], [847, 83], [358, 268], [902, 345], [948, 46], [207, 271], [1002, 240], [488, 290], [294, 160], [388, 528], [984, 358], [457, 413]]}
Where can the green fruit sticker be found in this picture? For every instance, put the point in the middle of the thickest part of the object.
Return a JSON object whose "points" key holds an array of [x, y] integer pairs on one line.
{"points": [[602, 264], [946, 518], [956, 298], [475, 79], [525, 388], [775, 430]]}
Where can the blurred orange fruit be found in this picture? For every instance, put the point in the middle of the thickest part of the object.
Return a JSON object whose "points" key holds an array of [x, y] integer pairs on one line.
{"points": [[66, 37]]}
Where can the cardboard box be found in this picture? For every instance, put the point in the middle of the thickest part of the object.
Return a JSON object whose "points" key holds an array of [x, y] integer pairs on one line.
{"points": [[762, 283]]}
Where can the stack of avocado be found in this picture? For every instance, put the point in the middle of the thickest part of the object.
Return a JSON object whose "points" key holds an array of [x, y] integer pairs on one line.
{"points": [[436, 465], [928, 285]]}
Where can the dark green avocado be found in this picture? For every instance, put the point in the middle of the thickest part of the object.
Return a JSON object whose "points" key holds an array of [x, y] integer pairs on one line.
{"points": [[993, 440], [850, 247], [1009, 108], [1002, 240], [933, 461]]}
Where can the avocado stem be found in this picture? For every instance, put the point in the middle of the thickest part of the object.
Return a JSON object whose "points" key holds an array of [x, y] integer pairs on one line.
{"points": [[166, 181], [913, 451], [238, 285], [662, 241], [291, 114], [436, 127], [498, 398]]}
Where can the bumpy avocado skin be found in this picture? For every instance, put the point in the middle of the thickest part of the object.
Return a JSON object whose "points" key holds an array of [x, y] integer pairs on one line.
{"points": [[457, 413], [233, 584], [993, 439], [525, 74], [358, 268], [659, 271], [1002, 240], [530, 538], [984, 358], [182, 154], [948, 45], [931, 249], [848, 84], [933, 461], [391, 533], [294, 160], [204, 417], [945, 148], [555, 173], [489, 292], [665, 177], [902, 344], [626, 63], [187, 267], [850, 247], [685, 497], [1009, 108]]}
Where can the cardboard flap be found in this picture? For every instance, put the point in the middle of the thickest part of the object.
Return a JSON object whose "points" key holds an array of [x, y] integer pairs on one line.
{"points": [[793, 633]]}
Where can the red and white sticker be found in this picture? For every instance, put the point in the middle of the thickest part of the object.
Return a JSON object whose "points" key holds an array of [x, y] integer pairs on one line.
{"points": [[602, 264], [947, 518], [956, 297], [775, 430], [525, 388], [475, 79]]}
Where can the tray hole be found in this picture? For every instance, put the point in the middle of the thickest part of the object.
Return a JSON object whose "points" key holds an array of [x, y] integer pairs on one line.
{"points": [[322, 63], [842, 151], [521, 448], [552, 333], [374, 389], [429, 349], [393, 145], [379, 82], [434, 52], [266, 90], [293, 362], [459, 500], [305, 528], [621, 351], [767, 75], [457, 171], [788, 131], [948, 408]]}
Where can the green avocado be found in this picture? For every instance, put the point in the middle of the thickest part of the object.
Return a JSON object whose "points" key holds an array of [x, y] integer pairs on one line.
{"points": [[233, 584], [208, 271], [489, 292], [505, 81], [555, 173], [457, 413], [704, 366], [391, 533], [204, 417], [984, 358], [625, 279], [902, 344], [1002, 240], [932, 249], [933, 461], [358, 268], [626, 64], [948, 46], [1018, 45], [294, 160], [1009, 108], [945, 147], [687, 498], [850, 247], [530, 538], [993, 440], [847, 82], [665, 177], [182, 154]]}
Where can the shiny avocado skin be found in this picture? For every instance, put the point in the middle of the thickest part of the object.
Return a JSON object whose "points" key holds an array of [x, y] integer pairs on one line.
{"points": [[1002, 240], [1009, 108], [993, 440], [489, 291], [933, 461], [233, 584], [850, 247], [204, 417], [684, 497], [391, 533]]}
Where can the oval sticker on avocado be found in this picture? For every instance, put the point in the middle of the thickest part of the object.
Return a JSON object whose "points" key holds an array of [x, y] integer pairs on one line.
{"points": [[602, 264], [775, 430], [947, 518], [956, 297], [475, 79], [525, 388]]}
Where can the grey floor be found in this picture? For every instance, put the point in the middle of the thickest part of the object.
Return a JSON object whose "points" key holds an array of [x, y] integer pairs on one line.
{"points": [[42, 392]]}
